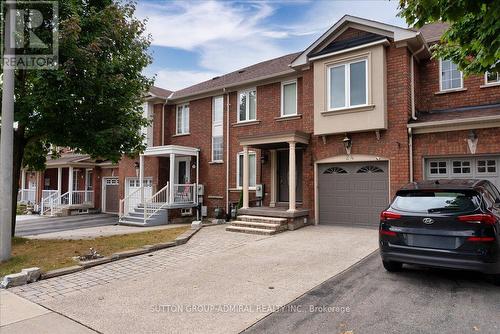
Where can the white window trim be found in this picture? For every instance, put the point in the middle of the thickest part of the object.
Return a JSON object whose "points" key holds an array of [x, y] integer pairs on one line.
{"points": [[494, 83], [240, 186], [347, 82], [441, 79], [247, 111], [283, 84], [177, 120], [214, 123], [438, 175]]}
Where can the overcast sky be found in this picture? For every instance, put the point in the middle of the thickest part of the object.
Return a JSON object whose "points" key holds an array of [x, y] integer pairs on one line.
{"points": [[194, 41]]}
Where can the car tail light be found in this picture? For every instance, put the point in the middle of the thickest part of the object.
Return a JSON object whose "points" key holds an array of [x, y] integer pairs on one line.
{"points": [[481, 239], [479, 218], [387, 215], [388, 233]]}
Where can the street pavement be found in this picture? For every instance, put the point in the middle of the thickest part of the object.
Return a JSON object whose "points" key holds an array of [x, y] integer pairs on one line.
{"points": [[42, 225], [366, 299]]}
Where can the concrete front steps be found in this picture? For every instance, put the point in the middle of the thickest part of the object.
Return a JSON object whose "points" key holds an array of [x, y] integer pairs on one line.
{"points": [[136, 217], [258, 225]]}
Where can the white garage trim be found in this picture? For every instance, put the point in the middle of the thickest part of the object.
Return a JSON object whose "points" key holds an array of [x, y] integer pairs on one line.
{"points": [[345, 159]]}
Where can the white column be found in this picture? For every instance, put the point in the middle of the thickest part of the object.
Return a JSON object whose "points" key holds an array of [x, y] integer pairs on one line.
{"points": [[141, 177], [246, 178], [59, 180], [171, 178], [274, 173], [70, 185], [23, 183], [291, 178]]}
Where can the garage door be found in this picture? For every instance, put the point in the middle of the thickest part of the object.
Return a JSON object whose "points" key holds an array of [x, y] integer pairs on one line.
{"points": [[465, 168], [353, 193], [111, 195]]}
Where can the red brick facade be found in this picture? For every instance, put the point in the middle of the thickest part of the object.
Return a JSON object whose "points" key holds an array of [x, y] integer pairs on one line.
{"points": [[391, 144]]}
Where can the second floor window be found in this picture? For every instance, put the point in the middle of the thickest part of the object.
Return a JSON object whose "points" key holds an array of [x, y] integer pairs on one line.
{"points": [[492, 78], [348, 85], [217, 128], [182, 119], [247, 105], [289, 98], [450, 76]]}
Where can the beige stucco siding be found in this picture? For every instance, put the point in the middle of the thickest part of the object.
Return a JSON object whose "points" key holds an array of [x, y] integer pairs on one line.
{"points": [[370, 117]]}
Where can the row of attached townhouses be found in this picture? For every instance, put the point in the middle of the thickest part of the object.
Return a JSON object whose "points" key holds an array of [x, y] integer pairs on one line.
{"points": [[323, 136]]}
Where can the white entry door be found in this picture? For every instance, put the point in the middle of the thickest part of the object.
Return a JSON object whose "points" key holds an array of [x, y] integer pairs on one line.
{"points": [[131, 187]]}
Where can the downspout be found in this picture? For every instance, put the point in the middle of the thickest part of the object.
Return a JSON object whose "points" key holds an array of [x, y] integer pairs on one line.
{"points": [[410, 152], [413, 112], [163, 120], [227, 150]]}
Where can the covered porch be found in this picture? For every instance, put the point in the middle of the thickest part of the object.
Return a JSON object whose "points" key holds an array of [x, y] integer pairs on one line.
{"points": [[176, 190], [285, 152], [68, 183]]}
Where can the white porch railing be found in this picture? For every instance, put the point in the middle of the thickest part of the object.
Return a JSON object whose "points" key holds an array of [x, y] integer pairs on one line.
{"points": [[184, 193], [26, 195], [157, 202], [49, 202], [52, 202], [128, 203], [82, 197]]}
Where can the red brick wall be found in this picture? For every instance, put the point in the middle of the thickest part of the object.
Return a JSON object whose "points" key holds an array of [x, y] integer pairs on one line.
{"points": [[393, 143], [451, 143], [428, 72]]}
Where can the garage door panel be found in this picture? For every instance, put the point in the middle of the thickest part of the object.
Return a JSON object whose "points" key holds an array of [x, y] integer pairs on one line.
{"points": [[353, 196]]}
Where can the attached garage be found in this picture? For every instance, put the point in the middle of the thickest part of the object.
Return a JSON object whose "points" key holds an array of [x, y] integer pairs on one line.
{"points": [[485, 167], [352, 193]]}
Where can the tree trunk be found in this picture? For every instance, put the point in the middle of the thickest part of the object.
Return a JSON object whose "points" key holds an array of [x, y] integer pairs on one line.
{"points": [[19, 145]]}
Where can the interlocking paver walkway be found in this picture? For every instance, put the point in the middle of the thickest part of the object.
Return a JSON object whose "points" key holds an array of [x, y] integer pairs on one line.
{"points": [[207, 242]]}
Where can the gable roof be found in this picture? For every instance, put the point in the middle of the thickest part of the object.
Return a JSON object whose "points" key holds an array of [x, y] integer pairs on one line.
{"points": [[391, 31], [348, 43], [432, 32], [269, 68], [159, 92]]}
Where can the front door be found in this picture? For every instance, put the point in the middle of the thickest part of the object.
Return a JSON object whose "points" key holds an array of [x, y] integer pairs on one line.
{"points": [[182, 172], [283, 164]]}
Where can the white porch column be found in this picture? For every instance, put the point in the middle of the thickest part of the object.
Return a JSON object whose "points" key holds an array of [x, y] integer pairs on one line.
{"points": [[59, 183], [291, 178], [274, 173], [171, 178], [23, 183], [246, 178], [70, 185], [141, 177]]}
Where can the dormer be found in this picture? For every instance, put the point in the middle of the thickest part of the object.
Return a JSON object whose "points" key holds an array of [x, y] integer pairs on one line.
{"points": [[350, 73]]}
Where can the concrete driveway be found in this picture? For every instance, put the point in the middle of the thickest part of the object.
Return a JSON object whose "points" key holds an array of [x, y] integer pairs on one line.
{"points": [[41, 225], [220, 282]]}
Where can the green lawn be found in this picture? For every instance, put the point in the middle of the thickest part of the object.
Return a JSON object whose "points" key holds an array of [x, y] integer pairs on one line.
{"points": [[54, 254]]}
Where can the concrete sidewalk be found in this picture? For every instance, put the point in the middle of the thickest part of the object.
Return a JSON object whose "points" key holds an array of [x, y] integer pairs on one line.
{"points": [[19, 315], [219, 282]]}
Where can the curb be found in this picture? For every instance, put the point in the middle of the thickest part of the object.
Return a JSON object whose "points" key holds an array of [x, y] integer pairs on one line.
{"points": [[82, 265]]}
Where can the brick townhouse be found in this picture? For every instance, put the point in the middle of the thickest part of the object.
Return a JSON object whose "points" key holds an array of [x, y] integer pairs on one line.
{"points": [[324, 136]]}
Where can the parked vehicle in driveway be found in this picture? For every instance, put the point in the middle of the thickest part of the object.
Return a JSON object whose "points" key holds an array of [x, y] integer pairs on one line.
{"points": [[443, 223]]}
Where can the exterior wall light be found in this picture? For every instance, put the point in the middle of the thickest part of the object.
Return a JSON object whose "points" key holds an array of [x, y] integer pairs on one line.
{"points": [[347, 145]]}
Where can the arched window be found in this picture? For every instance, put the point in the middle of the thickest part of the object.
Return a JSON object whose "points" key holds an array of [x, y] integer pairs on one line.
{"points": [[370, 169], [335, 170]]}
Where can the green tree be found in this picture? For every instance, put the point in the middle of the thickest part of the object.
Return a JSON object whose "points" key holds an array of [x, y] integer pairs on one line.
{"points": [[92, 102], [472, 40]]}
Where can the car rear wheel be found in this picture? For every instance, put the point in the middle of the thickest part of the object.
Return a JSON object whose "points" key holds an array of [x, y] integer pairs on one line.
{"points": [[392, 266]]}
